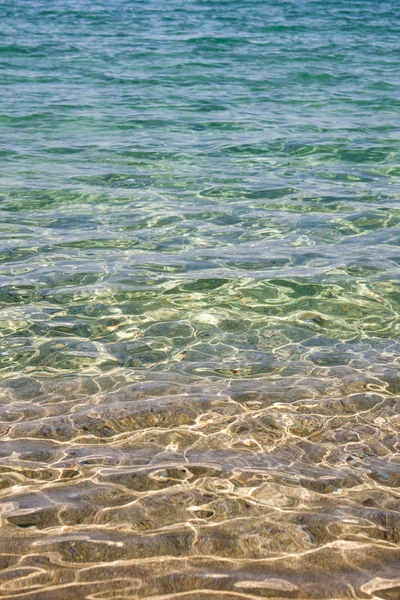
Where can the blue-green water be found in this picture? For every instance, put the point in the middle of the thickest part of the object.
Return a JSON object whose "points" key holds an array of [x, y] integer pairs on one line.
{"points": [[199, 302]]}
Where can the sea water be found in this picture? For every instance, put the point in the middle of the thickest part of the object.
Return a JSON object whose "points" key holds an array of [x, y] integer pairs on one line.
{"points": [[199, 269]]}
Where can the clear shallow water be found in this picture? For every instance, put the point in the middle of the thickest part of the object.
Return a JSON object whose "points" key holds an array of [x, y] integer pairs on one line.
{"points": [[199, 268]]}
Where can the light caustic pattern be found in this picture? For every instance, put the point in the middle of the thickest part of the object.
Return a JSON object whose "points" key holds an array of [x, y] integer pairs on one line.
{"points": [[199, 301]]}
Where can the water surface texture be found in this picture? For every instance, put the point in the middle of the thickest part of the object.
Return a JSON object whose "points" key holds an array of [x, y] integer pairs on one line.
{"points": [[199, 269]]}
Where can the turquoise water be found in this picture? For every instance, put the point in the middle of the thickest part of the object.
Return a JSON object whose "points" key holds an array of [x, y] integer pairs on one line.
{"points": [[199, 301]]}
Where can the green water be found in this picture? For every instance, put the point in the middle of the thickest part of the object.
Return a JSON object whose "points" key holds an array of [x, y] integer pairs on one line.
{"points": [[199, 301]]}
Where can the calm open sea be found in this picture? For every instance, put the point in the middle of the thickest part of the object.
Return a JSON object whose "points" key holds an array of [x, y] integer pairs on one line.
{"points": [[199, 301]]}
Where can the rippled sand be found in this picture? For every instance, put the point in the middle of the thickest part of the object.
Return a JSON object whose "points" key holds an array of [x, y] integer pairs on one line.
{"points": [[276, 487]]}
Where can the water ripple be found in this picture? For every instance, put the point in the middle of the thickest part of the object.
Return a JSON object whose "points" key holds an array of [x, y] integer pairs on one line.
{"points": [[199, 300]]}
